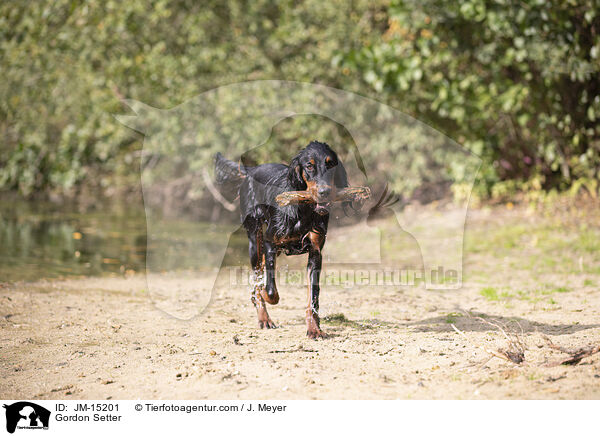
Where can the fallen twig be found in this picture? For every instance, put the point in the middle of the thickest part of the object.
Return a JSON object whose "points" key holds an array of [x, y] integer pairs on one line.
{"points": [[515, 352], [575, 356], [299, 348], [513, 357], [516, 349]]}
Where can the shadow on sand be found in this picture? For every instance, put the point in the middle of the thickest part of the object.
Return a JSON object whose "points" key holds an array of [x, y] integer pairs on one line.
{"points": [[468, 322]]}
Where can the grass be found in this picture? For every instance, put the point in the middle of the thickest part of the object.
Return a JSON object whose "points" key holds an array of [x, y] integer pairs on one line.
{"points": [[534, 245], [336, 318], [496, 240], [490, 294], [534, 296], [451, 317], [339, 319]]}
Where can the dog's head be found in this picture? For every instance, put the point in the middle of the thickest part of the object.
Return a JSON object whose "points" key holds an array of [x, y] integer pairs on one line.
{"points": [[317, 169]]}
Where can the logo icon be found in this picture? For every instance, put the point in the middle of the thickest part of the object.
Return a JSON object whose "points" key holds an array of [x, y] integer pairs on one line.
{"points": [[26, 415]]}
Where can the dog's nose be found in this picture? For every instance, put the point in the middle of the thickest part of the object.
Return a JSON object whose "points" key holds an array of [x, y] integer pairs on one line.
{"points": [[324, 191]]}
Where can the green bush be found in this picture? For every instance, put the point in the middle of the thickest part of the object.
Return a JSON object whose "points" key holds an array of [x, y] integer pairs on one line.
{"points": [[516, 83], [66, 64]]}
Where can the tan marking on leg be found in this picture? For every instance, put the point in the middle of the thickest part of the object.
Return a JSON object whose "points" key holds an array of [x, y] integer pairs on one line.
{"points": [[258, 287], [317, 240], [313, 329]]}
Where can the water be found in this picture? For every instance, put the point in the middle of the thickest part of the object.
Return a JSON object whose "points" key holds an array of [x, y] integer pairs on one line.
{"points": [[41, 240]]}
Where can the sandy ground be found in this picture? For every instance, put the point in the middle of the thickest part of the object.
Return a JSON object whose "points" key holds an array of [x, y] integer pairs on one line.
{"points": [[104, 338]]}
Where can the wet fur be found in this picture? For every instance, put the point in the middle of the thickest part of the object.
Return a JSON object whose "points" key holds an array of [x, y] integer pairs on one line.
{"points": [[293, 229]]}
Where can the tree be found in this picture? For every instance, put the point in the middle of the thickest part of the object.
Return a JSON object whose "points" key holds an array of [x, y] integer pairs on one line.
{"points": [[516, 83]]}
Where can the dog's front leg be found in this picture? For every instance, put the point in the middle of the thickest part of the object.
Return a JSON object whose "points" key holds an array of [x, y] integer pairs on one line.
{"points": [[313, 330], [270, 294]]}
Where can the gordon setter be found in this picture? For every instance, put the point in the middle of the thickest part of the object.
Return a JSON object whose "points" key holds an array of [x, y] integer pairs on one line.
{"points": [[292, 229]]}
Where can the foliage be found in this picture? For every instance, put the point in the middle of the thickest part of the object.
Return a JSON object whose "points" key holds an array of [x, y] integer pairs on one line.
{"points": [[515, 83], [67, 63]]}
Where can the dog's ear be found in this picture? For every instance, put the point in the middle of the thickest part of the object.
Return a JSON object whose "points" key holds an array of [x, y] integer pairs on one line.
{"points": [[340, 178], [295, 175]]}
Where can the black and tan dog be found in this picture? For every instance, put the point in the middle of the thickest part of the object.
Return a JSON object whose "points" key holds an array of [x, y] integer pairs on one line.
{"points": [[315, 177]]}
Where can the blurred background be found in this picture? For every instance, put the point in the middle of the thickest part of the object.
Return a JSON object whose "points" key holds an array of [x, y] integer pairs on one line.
{"points": [[516, 83]]}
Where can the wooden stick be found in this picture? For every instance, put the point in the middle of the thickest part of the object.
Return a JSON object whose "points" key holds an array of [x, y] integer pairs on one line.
{"points": [[357, 193], [295, 197]]}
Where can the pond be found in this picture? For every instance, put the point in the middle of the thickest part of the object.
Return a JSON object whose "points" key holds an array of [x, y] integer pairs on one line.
{"points": [[42, 240]]}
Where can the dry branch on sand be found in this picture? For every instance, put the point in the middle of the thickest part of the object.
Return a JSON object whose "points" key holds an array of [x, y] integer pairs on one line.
{"points": [[358, 193], [515, 352], [575, 355]]}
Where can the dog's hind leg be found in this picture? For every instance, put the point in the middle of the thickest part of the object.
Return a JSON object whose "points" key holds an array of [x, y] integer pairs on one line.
{"points": [[257, 259], [264, 320]]}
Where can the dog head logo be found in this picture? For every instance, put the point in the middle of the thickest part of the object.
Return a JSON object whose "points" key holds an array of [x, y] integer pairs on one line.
{"points": [[177, 164], [26, 415]]}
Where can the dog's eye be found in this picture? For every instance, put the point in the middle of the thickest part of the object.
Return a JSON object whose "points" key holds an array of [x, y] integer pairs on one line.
{"points": [[309, 166], [329, 163]]}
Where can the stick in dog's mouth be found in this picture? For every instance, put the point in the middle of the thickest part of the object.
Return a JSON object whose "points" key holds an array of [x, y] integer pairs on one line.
{"points": [[357, 193]]}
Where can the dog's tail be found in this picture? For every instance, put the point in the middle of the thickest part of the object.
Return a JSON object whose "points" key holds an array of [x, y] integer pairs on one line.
{"points": [[228, 173]]}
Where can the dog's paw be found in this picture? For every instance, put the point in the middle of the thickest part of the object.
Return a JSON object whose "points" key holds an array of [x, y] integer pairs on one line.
{"points": [[266, 324], [264, 320], [315, 333]]}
